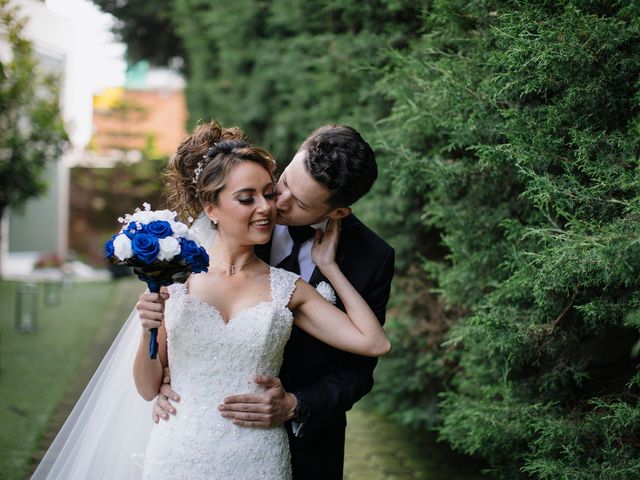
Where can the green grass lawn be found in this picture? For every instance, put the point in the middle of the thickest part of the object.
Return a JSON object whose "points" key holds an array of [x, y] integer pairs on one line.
{"points": [[38, 370]]}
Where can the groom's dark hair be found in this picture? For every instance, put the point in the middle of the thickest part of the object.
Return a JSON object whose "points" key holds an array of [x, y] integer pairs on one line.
{"points": [[340, 159]]}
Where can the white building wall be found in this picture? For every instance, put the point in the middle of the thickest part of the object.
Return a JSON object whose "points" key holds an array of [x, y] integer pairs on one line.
{"points": [[42, 227]]}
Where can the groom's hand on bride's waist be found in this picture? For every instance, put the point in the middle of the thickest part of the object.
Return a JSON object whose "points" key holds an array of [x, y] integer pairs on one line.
{"points": [[162, 406], [268, 409]]}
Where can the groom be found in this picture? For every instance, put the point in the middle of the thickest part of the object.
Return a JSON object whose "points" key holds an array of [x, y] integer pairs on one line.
{"points": [[333, 168]]}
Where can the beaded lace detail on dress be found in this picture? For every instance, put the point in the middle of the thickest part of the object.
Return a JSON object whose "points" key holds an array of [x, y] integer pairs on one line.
{"points": [[210, 360]]}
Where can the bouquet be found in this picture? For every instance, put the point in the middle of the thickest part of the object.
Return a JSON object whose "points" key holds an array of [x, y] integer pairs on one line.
{"points": [[161, 251]]}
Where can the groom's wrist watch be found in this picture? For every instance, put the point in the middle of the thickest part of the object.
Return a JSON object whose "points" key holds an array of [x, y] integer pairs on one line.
{"points": [[302, 411]]}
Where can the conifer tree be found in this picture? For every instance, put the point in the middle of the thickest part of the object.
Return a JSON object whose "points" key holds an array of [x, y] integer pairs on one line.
{"points": [[519, 122], [281, 69]]}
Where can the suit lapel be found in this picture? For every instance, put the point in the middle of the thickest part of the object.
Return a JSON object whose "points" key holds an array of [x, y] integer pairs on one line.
{"points": [[317, 277]]}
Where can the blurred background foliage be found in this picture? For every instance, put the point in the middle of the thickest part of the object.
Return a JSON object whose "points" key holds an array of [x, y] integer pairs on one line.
{"points": [[102, 194], [32, 134], [507, 134]]}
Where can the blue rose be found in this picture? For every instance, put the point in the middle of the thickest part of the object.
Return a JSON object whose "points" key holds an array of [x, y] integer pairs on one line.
{"points": [[145, 247], [196, 257], [188, 248], [159, 228], [200, 261], [132, 229], [108, 248]]}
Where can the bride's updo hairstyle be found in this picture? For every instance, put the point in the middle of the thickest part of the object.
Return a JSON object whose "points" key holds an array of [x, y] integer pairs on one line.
{"points": [[200, 168]]}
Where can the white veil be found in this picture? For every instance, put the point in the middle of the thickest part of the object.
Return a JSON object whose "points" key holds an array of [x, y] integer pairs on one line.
{"points": [[203, 231], [106, 434]]}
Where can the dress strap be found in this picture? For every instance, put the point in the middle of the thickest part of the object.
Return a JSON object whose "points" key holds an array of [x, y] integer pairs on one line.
{"points": [[178, 288], [283, 284]]}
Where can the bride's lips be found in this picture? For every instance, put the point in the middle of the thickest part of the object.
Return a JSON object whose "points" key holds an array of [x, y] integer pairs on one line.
{"points": [[263, 224]]}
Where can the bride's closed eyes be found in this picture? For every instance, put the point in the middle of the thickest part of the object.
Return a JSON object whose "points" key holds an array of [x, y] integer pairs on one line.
{"points": [[248, 200]]}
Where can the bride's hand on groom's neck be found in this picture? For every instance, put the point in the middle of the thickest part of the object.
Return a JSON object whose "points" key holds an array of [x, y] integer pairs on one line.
{"points": [[325, 245]]}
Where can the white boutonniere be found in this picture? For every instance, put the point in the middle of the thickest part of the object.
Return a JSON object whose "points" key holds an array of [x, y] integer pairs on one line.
{"points": [[327, 292]]}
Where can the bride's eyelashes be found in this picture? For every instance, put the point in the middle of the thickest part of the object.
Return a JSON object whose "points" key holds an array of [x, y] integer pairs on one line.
{"points": [[250, 200]]}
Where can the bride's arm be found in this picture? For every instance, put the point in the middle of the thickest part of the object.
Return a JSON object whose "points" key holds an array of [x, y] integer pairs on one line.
{"points": [[356, 331], [147, 372]]}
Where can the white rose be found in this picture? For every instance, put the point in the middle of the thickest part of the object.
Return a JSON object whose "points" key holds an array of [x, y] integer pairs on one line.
{"points": [[179, 229], [122, 247], [164, 215], [143, 216], [169, 248], [327, 292]]}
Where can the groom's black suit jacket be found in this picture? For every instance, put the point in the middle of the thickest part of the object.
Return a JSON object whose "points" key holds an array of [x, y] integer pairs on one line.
{"points": [[332, 380]]}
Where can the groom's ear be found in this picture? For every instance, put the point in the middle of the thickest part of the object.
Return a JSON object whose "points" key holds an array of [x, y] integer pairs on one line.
{"points": [[339, 213]]}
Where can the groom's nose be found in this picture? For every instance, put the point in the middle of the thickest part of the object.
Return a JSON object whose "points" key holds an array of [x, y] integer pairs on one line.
{"points": [[264, 204], [282, 201]]}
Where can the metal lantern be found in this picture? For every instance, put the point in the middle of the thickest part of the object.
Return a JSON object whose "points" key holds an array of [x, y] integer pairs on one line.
{"points": [[27, 308], [51, 292], [68, 278]]}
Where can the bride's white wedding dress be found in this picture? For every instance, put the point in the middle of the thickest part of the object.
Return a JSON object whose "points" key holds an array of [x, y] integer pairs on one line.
{"points": [[110, 426], [211, 359]]}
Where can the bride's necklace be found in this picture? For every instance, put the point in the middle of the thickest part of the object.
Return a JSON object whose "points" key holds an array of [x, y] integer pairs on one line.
{"points": [[233, 268]]}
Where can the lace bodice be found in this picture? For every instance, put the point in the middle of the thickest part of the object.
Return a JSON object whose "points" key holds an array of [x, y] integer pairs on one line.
{"points": [[209, 360]]}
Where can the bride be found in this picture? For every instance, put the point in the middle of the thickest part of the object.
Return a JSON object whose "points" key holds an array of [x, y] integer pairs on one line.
{"points": [[221, 329]]}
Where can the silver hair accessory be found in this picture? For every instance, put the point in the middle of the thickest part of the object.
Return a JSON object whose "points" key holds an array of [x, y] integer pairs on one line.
{"points": [[198, 170], [223, 146]]}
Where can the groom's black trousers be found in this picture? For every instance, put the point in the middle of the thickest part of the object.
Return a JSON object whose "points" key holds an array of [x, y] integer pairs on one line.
{"points": [[322, 445]]}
